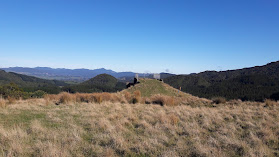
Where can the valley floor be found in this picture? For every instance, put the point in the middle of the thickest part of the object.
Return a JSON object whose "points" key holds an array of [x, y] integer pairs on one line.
{"points": [[31, 128]]}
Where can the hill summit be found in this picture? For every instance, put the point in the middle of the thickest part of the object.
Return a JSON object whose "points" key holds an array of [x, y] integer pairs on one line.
{"points": [[100, 83], [149, 87], [102, 79]]}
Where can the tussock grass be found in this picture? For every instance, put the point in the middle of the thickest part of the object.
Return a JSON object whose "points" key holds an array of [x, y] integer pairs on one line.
{"points": [[67, 98], [270, 103], [11, 100], [127, 96], [2, 102], [31, 128], [137, 97], [123, 97], [219, 100], [163, 100]]}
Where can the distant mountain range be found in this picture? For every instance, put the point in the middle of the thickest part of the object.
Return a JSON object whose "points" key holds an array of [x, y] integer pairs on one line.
{"points": [[77, 75], [255, 83]]}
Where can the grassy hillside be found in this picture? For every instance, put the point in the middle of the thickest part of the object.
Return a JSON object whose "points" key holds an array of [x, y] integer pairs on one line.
{"points": [[29, 83], [100, 83], [256, 83], [149, 87], [32, 128]]}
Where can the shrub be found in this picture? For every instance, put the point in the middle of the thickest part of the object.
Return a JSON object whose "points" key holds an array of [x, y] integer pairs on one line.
{"points": [[38, 94], [219, 100], [12, 90], [275, 96]]}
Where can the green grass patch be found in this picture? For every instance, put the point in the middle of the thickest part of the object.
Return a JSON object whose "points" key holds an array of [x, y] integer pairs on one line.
{"points": [[149, 87], [23, 118]]}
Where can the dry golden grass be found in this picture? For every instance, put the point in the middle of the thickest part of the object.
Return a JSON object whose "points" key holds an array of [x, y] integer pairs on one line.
{"points": [[137, 97], [219, 100], [269, 102], [132, 95], [2, 102], [164, 100], [32, 128], [67, 98], [122, 97], [11, 100], [127, 96]]}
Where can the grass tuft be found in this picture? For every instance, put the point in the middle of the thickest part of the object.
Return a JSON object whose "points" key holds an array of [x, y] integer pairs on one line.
{"points": [[270, 103], [163, 100], [137, 97], [2, 102], [11, 100], [219, 100]]}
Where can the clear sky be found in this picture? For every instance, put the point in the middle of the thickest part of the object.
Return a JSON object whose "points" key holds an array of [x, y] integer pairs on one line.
{"points": [[178, 36]]}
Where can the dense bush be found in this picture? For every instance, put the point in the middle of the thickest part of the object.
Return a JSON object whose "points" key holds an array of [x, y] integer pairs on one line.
{"points": [[30, 83], [275, 96], [256, 84], [13, 91]]}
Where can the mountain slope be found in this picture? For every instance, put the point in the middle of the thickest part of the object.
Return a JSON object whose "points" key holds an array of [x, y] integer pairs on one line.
{"points": [[256, 83], [29, 83]]}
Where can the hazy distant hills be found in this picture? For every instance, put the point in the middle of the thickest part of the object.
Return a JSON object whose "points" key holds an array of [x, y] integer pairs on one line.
{"points": [[78, 75], [99, 83], [255, 83]]}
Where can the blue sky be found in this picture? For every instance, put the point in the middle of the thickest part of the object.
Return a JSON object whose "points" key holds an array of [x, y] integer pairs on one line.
{"points": [[177, 36]]}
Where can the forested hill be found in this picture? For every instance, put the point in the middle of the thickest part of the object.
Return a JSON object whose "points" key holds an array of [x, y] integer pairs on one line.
{"points": [[29, 83], [100, 83], [255, 83]]}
